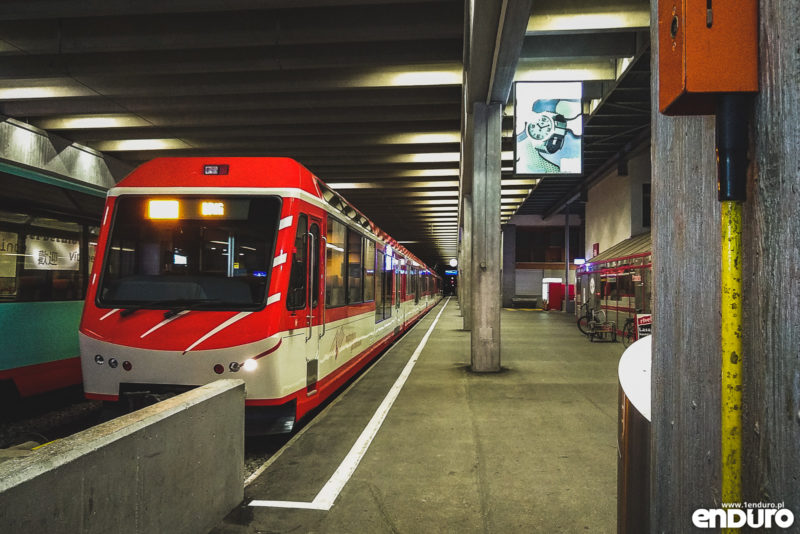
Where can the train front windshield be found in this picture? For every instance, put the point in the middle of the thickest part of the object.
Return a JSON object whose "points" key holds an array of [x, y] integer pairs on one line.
{"points": [[189, 252]]}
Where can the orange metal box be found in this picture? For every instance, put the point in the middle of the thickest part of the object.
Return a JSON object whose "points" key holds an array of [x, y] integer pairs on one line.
{"points": [[705, 47]]}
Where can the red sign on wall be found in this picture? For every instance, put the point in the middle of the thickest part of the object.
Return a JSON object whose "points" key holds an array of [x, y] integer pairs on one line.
{"points": [[595, 249], [644, 325]]}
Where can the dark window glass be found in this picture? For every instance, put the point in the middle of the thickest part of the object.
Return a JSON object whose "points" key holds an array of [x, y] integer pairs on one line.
{"points": [[354, 266], [379, 281], [201, 252], [335, 264], [43, 258], [369, 270], [296, 295]]}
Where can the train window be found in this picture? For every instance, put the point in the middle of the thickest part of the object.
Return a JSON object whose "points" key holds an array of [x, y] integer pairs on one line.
{"points": [[384, 287], [314, 231], [369, 270], [296, 295], [354, 268], [193, 260], [335, 264], [399, 278], [40, 258]]}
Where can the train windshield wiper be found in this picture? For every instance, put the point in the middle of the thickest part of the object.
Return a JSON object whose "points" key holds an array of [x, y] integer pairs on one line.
{"points": [[156, 304]]}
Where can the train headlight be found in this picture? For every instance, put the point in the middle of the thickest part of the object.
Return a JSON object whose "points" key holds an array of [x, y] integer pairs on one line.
{"points": [[163, 209], [98, 359], [250, 365], [113, 363], [219, 369]]}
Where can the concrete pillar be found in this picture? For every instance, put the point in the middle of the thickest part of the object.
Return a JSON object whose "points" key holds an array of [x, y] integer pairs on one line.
{"points": [[465, 264], [565, 306], [486, 253], [509, 264]]}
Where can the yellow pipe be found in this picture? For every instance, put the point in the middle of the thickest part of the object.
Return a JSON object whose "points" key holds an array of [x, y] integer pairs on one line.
{"points": [[731, 352]]}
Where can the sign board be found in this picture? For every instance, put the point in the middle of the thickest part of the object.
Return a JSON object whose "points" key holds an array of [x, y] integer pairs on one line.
{"points": [[644, 323], [52, 253], [9, 250], [548, 123], [451, 272]]}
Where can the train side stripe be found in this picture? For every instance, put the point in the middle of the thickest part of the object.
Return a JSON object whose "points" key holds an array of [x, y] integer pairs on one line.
{"points": [[109, 314], [286, 222], [219, 328], [279, 260], [162, 323], [273, 298]]}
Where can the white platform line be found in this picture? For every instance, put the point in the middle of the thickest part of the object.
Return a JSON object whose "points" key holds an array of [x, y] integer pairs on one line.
{"points": [[274, 458], [328, 494]]}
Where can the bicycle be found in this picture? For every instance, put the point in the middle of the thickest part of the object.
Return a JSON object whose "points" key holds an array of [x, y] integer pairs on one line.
{"points": [[589, 320], [629, 330]]}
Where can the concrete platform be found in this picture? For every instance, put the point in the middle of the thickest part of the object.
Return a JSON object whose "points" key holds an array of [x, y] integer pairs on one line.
{"points": [[530, 449]]}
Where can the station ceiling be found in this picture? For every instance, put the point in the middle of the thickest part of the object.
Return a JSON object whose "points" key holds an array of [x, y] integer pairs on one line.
{"points": [[366, 93]]}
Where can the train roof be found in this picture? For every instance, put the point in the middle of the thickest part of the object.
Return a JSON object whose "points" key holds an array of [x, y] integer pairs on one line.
{"points": [[250, 172], [239, 172]]}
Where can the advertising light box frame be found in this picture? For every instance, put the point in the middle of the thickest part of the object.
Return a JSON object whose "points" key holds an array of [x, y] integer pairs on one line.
{"points": [[548, 128]]}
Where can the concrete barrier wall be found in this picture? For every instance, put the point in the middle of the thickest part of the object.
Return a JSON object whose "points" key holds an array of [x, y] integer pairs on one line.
{"points": [[176, 466]]}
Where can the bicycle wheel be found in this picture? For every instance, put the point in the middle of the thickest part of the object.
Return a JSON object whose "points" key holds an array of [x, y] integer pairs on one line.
{"points": [[583, 325], [627, 334]]}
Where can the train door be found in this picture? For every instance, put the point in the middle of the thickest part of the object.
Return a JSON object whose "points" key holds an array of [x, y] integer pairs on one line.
{"points": [[316, 306]]}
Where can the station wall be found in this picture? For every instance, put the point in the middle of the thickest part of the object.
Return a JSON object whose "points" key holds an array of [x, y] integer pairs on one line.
{"points": [[615, 208]]}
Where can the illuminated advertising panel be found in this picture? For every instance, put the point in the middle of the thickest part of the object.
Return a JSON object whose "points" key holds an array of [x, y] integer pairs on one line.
{"points": [[548, 124]]}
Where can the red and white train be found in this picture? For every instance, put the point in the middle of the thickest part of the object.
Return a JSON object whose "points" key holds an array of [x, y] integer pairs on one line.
{"points": [[245, 268]]}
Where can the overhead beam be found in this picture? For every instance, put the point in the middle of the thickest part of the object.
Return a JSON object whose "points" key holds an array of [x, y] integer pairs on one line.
{"points": [[510, 36], [612, 45], [55, 9]]}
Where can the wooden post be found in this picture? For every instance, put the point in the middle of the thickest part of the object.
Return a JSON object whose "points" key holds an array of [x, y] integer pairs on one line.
{"points": [[685, 450]]}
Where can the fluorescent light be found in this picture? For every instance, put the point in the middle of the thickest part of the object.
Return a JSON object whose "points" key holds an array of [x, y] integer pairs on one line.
{"points": [[125, 145], [437, 201], [78, 122], [520, 181], [46, 88], [428, 172], [449, 73], [509, 192], [393, 184], [436, 77], [534, 70], [432, 157], [428, 194], [422, 138], [548, 22]]}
